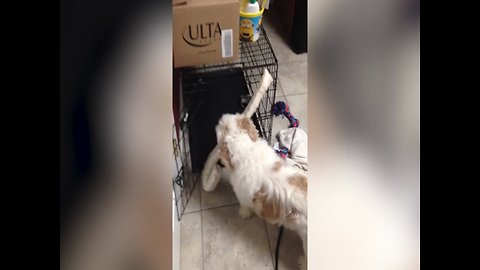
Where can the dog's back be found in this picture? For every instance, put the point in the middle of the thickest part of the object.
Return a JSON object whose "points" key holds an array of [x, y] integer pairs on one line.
{"points": [[262, 180]]}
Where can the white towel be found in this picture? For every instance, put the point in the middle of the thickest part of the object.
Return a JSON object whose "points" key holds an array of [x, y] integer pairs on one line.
{"points": [[295, 139]]}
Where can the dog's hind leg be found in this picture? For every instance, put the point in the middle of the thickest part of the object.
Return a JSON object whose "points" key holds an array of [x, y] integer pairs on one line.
{"points": [[302, 260], [245, 212]]}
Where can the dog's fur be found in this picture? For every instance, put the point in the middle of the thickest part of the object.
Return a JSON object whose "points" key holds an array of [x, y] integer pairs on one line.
{"points": [[262, 182]]}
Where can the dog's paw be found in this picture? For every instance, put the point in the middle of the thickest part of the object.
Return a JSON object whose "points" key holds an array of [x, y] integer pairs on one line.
{"points": [[302, 263], [245, 212]]}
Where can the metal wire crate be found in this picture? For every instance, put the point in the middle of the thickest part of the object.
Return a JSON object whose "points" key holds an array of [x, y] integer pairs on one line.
{"points": [[184, 181], [254, 58]]}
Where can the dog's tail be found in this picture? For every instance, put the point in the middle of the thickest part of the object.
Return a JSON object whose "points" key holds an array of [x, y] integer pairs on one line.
{"points": [[211, 172], [253, 105]]}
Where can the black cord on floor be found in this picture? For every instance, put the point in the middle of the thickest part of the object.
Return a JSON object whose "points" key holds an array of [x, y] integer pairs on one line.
{"points": [[278, 247]]}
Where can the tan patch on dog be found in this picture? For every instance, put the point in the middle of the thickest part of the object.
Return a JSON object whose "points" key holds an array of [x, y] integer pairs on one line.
{"points": [[271, 208], [277, 166], [298, 181], [225, 156], [247, 125]]}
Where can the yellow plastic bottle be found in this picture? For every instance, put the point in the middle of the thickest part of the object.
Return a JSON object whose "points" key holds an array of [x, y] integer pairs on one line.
{"points": [[250, 20]]}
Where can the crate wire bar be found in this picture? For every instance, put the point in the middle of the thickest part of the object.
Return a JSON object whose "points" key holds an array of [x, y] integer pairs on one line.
{"points": [[254, 58], [184, 182]]}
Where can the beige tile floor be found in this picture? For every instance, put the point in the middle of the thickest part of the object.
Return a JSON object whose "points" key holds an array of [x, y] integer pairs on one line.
{"points": [[213, 236]]}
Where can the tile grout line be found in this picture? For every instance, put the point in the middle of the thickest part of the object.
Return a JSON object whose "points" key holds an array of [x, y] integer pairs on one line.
{"points": [[297, 94], [283, 91], [293, 61], [203, 244], [201, 230], [269, 246], [191, 200], [192, 212], [216, 207], [281, 87], [279, 82]]}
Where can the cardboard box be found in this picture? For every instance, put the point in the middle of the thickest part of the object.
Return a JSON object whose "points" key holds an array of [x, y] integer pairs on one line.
{"points": [[205, 32]]}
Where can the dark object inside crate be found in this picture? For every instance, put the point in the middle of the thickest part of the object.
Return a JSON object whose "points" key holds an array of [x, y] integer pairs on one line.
{"points": [[254, 58], [210, 95]]}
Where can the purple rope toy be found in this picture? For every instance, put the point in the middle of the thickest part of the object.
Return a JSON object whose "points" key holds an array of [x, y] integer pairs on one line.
{"points": [[283, 152], [282, 108]]}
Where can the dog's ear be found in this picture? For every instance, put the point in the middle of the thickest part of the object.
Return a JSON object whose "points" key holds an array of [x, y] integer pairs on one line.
{"points": [[219, 133], [221, 130], [225, 156], [247, 125]]}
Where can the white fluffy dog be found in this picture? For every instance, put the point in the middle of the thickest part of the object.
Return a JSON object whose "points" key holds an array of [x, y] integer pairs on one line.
{"points": [[262, 181]]}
